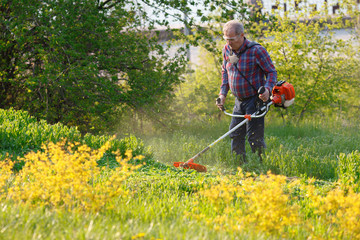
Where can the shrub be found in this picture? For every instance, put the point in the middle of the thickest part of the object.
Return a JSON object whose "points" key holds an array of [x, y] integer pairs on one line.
{"points": [[21, 133], [66, 175]]}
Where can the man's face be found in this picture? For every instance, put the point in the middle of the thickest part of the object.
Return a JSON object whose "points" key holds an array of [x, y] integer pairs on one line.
{"points": [[234, 40]]}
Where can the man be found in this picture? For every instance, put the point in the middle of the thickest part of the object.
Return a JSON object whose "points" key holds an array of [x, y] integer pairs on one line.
{"points": [[246, 67]]}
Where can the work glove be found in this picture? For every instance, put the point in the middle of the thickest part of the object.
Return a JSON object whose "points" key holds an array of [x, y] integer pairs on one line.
{"points": [[220, 101]]}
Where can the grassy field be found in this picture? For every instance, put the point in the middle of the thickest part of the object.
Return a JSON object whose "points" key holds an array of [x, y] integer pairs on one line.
{"points": [[308, 149], [85, 191]]}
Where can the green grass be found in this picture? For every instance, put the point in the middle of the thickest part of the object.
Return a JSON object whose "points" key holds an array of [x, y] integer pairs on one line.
{"points": [[21, 133], [306, 149], [161, 193]]}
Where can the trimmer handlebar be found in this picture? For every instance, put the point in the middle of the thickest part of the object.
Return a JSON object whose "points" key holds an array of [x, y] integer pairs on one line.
{"points": [[261, 90], [283, 95], [258, 114]]}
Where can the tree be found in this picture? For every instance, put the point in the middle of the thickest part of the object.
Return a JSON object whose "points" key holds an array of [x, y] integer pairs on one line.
{"points": [[81, 61], [320, 66]]}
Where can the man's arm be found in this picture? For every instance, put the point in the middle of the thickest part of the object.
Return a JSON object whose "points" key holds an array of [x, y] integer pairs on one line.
{"points": [[264, 61], [224, 88]]}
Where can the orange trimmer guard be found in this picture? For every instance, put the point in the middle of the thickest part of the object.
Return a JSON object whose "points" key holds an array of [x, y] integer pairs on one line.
{"points": [[190, 165]]}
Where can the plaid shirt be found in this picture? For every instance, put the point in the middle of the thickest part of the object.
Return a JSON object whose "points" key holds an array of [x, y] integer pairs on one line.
{"points": [[255, 64]]}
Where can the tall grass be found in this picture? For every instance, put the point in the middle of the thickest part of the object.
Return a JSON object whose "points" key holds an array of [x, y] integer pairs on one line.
{"points": [[308, 148]]}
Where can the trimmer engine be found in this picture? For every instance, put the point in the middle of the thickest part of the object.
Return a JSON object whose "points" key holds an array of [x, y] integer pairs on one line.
{"points": [[283, 94]]}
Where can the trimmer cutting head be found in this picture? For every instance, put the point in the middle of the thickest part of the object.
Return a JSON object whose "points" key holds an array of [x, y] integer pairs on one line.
{"points": [[191, 165]]}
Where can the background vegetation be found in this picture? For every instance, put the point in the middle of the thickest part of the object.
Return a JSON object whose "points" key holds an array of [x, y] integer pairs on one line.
{"points": [[81, 62]]}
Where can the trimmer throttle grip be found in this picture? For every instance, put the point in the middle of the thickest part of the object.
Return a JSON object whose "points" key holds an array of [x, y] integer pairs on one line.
{"points": [[261, 90]]}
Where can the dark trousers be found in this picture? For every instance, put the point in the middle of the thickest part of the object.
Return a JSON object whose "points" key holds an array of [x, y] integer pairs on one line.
{"points": [[253, 130]]}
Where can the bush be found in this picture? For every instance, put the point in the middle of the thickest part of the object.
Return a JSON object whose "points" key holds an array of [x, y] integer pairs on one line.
{"points": [[66, 176], [21, 133]]}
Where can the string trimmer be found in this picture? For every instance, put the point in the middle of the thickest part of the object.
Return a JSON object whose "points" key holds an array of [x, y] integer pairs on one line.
{"points": [[283, 95]]}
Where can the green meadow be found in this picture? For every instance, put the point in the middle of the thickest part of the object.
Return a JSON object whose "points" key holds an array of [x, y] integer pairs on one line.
{"points": [[164, 202]]}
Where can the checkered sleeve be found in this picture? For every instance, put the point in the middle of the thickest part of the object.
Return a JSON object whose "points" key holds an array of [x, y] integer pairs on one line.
{"points": [[264, 61], [224, 88]]}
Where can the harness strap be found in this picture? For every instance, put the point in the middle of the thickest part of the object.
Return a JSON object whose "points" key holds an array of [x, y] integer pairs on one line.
{"points": [[250, 45]]}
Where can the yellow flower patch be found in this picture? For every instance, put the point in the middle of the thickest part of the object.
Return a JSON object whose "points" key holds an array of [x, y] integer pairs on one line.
{"points": [[66, 175]]}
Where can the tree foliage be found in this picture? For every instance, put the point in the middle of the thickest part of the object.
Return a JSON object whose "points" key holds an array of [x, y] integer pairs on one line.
{"points": [[319, 64], [79, 62]]}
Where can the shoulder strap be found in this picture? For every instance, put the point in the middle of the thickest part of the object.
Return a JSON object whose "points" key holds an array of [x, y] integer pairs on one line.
{"points": [[250, 45]]}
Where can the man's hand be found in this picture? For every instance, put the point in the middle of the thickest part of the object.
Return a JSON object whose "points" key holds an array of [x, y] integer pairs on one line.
{"points": [[265, 95], [220, 102]]}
